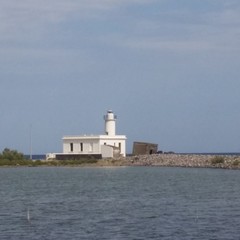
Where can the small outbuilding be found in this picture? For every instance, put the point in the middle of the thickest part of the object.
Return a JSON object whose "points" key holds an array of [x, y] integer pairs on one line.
{"points": [[144, 148]]}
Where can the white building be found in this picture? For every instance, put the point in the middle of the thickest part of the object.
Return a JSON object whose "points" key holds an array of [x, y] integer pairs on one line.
{"points": [[107, 145]]}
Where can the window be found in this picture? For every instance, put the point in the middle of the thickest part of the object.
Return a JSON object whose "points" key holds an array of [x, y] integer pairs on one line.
{"points": [[81, 147], [71, 147]]}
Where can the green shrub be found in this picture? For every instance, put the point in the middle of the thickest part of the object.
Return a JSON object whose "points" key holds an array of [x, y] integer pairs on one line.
{"points": [[217, 160], [5, 162], [13, 158], [236, 163], [11, 155], [36, 163], [76, 162]]}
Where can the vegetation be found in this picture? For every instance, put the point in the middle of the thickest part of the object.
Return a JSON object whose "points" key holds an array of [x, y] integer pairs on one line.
{"points": [[217, 160], [236, 163], [14, 158], [73, 162], [11, 155]]}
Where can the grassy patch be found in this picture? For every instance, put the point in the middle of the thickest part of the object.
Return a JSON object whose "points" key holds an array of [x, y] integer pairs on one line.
{"points": [[76, 162], [236, 163], [217, 160], [14, 159]]}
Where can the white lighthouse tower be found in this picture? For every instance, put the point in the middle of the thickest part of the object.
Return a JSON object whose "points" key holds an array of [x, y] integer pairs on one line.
{"points": [[110, 123]]}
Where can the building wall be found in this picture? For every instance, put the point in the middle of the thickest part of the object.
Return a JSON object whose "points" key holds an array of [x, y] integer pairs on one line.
{"points": [[107, 151], [62, 156], [94, 145], [142, 148], [81, 146], [120, 143]]}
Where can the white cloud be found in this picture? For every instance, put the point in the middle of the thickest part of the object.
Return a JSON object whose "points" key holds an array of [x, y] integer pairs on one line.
{"points": [[215, 30], [31, 19], [30, 11], [171, 45], [28, 22]]}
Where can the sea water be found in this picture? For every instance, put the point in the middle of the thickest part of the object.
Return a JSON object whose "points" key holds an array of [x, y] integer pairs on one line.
{"points": [[119, 203]]}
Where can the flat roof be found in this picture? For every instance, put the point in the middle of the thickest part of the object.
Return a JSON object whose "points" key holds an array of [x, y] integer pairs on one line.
{"points": [[94, 137]]}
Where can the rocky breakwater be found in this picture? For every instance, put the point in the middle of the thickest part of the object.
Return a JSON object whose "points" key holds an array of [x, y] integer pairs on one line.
{"points": [[179, 160]]}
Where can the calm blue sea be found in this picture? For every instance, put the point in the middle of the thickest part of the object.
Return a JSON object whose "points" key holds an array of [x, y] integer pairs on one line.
{"points": [[119, 203], [36, 156]]}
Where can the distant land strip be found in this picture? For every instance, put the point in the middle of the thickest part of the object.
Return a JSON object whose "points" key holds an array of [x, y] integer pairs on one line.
{"points": [[161, 160], [176, 160]]}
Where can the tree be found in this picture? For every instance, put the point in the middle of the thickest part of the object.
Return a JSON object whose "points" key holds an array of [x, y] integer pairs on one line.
{"points": [[11, 155]]}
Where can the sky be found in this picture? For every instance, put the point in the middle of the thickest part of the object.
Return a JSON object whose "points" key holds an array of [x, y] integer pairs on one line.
{"points": [[169, 69]]}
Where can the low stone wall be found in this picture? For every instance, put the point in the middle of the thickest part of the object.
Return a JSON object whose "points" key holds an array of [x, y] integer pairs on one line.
{"points": [[177, 160]]}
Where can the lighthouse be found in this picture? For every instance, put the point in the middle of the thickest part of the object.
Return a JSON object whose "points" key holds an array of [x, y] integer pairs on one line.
{"points": [[107, 145], [110, 123]]}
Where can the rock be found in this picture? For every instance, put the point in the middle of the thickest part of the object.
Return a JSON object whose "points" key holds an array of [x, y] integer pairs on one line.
{"points": [[181, 160]]}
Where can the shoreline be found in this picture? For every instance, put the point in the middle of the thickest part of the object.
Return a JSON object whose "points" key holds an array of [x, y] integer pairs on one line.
{"points": [[176, 160], [154, 160]]}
